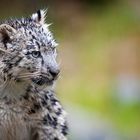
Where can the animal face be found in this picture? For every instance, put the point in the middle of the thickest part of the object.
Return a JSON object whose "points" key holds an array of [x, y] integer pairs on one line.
{"points": [[28, 50]]}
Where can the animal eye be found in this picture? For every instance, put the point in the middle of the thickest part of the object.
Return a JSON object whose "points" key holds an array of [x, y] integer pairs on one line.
{"points": [[36, 54]]}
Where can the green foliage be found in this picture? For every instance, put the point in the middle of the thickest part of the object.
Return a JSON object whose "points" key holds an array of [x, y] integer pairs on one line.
{"points": [[92, 87]]}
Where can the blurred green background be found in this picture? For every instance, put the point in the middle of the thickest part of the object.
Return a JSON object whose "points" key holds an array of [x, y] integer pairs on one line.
{"points": [[99, 53]]}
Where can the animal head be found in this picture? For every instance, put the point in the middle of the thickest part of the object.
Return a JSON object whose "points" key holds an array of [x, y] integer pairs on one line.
{"points": [[28, 50]]}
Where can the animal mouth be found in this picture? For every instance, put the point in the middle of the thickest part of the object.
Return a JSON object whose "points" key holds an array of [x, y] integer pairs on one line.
{"points": [[41, 80]]}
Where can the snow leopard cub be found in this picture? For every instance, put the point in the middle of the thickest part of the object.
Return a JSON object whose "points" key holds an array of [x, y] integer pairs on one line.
{"points": [[29, 109]]}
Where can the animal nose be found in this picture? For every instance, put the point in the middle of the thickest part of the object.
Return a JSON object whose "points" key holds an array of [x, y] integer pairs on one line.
{"points": [[54, 72]]}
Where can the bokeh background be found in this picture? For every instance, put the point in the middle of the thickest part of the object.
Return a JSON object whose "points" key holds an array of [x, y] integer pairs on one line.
{"points": [[99, 53]]}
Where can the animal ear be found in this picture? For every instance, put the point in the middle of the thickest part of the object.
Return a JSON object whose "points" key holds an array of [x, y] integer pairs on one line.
{"points": [[6, 32], [39, 16]]}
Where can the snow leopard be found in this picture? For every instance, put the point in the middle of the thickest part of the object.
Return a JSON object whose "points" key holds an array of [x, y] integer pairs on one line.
{"points": [[29, 107]]}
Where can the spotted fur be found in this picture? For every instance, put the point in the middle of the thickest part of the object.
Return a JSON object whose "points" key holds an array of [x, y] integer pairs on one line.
{"points": [[29, 109]]}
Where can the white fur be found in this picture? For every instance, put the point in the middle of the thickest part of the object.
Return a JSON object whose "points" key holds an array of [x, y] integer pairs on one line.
{"points": [[43, 17]]}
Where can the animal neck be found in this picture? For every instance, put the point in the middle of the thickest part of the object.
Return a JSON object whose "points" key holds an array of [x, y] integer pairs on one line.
{"points": [[13, 90]]}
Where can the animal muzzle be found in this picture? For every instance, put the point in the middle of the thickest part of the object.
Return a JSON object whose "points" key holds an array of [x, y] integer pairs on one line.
{"points": [[46, 78]]}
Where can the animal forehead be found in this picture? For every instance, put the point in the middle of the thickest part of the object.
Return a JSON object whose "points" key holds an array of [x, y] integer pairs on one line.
{"points": [[39, 36]]}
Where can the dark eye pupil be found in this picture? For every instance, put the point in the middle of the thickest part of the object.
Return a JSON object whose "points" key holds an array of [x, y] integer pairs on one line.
{"points": [[36, 54]]}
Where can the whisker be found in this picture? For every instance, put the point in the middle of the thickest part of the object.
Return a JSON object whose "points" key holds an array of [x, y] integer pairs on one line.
{"points": [[33, 74], [29, 74], [5, 51], [27, 77], [4, 82], [4, 85]]}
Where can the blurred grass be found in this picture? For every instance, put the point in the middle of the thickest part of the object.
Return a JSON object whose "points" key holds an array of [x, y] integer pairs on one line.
{"points": [[90, 83]]}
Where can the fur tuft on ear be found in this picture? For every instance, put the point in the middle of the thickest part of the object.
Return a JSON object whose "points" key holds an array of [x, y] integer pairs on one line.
{"points": [[7, 28], [6, 35], [6, 31], [39, 16]]}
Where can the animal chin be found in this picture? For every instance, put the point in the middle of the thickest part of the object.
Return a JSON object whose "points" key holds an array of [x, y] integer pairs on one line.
{"points": [[42, 81]]}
